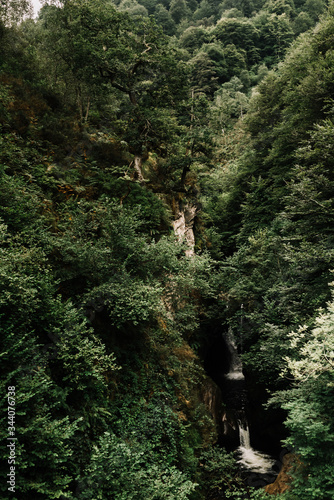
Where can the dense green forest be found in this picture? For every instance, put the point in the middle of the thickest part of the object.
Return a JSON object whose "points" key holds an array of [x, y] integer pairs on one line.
{"points": [[166, 176]]}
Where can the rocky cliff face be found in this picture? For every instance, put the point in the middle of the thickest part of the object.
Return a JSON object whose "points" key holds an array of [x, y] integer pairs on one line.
{"points": [[224, 419], [184, 225], [283, 480], [212, 400]]}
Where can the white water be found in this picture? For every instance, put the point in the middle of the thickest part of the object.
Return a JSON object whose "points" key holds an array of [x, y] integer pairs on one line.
{"points": [[252, 459], [244, 435], [235, 376], [235, 372]]}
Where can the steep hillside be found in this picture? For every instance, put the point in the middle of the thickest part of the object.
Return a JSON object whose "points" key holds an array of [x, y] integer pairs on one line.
{"points": [[166, 192]]}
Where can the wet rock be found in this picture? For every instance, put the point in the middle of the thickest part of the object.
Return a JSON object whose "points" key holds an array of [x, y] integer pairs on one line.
{"points": [[283, 480]]}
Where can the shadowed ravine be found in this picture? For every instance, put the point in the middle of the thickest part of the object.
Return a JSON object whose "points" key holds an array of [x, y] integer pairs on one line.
{"points": [[251, 459]]}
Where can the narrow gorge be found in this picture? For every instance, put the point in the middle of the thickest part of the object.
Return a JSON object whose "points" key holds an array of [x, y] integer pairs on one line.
{"points": [[231, 408]]}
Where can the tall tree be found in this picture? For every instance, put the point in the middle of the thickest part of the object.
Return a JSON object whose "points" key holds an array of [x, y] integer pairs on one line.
{"points": [[104, 49]]}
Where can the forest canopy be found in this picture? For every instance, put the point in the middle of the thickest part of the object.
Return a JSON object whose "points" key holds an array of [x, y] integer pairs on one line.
{"points": [[166, 176]]}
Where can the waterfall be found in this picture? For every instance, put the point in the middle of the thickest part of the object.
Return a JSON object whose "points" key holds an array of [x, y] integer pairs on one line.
{"points": [[235, 371], [251, 459], [244, 435]]}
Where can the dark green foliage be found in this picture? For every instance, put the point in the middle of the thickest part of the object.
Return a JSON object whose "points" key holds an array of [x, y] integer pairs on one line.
{"points": [[240, 33], [50, 356], [276, 201], [114, 119], [302, 23], [193, 38], [100, 238], [275, 36], [164, 19], [204, 73], [127, 470], [178, 10]]}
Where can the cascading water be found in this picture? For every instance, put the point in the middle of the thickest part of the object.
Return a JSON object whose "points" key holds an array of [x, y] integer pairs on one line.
{"points": [[244, 435], [251, 459], [235, 371]]}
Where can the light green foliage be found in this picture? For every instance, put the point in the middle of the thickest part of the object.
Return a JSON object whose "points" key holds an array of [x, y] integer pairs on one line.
{"points": [[280, 7], [133, 8], [224, 62], [230, 104], [310, 407], [316, 354]]}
